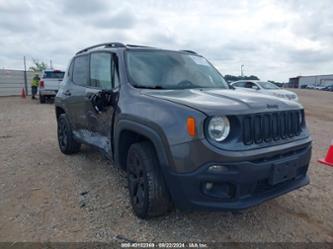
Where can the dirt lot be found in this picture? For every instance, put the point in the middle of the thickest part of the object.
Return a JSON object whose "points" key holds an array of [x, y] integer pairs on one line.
{"points": [[47, 196]]}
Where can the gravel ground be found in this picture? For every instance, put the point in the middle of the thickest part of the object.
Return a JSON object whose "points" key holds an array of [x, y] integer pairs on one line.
{"points": [[47, 196]]}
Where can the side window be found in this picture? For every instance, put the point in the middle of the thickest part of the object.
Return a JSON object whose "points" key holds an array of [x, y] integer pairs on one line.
{"points": [[255, 86], [81, 70], [249, 85], [70, 70], [240, 84], [100, 70]]}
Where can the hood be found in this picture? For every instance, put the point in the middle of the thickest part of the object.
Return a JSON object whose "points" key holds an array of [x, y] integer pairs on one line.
{"points": [[284, 91], [280, 91], [224, 101]]}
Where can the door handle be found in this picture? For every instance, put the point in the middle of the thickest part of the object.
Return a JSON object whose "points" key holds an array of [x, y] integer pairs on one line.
{"points": [[67, 93]]}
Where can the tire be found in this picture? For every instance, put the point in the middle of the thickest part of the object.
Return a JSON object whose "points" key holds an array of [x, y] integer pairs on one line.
{"points": [[42, 99], [148, 193], [66, 141]]}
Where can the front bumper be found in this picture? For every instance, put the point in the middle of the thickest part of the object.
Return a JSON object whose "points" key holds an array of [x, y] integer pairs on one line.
{"points": [[244, 183]]}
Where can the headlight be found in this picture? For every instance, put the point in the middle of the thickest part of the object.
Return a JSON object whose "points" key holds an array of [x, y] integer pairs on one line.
{"points": [[219, 128]]}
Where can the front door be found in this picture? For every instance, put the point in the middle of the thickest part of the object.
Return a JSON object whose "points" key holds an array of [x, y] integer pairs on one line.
{"points": [[101, 98]]}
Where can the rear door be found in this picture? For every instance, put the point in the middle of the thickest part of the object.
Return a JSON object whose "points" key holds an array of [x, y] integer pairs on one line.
{"points": [[75, 93]]}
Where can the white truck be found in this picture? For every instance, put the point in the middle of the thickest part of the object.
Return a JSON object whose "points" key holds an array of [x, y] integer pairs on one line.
{"points": [[49, 84]]}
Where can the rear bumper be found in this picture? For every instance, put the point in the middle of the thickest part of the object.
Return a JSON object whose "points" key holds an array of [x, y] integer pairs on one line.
{"points": [[48, 92], [242, 184]]}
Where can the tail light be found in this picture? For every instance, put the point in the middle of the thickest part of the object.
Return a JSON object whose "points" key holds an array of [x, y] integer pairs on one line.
{"points": [[41, 84]]}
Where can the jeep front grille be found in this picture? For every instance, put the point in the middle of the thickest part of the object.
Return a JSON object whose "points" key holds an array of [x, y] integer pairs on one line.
{"points": [[267, 127]]}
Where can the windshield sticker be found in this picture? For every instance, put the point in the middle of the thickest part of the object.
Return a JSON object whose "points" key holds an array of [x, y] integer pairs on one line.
{"points": [[199, 60]]}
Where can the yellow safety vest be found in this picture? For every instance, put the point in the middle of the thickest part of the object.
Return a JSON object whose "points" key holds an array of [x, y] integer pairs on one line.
{"points": [[35, 82]]}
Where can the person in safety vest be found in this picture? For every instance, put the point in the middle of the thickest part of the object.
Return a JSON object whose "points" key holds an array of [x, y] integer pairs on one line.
{"points": [[34, 86]]}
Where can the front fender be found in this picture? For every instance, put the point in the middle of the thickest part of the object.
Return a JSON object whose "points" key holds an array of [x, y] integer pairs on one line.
{"points": [[148, 130]]}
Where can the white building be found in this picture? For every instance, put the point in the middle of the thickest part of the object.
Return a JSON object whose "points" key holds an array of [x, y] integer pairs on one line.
{"points": [[313, 80]]}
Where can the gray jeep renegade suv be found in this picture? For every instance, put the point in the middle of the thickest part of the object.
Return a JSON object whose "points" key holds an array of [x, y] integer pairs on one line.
{"points": [[184, 137]]}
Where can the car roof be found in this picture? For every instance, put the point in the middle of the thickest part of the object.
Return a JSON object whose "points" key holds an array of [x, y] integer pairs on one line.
{"points": [[120, 46], [53, 70], [253, 81]]}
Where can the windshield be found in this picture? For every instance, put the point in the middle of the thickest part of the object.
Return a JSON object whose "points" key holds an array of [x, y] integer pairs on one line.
{"points": [[171, 70], [268, 85], [53, 75]]}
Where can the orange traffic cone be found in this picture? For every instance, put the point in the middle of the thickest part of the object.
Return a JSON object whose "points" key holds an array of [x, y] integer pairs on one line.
{"points": [[22, 93], [328, 160]]}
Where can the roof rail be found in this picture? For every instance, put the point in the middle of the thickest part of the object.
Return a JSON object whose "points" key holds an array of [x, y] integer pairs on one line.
{"points": [[137, 46], [108, 44], [189, 51]]}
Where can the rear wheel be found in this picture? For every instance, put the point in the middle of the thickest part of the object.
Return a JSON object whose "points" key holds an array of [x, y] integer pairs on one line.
{"points": [[42, 99], [147, 190], [67, 144]]}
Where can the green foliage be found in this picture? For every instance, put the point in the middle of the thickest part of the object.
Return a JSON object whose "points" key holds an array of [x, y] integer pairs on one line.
{"points": [[231, 78], [38, 66]]}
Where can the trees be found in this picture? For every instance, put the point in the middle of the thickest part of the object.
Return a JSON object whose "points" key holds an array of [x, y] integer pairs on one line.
{"points": [[38, 66], [251, 77], [231, 78]]}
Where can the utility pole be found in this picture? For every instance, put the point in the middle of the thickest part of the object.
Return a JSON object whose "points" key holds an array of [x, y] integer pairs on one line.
{"points": [[51, 66], [25, 77], [242, 73]]}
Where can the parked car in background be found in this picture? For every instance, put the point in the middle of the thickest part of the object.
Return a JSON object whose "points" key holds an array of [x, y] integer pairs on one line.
{"points": [[263, 87], [328, 88], [319, 87], [49, 84]]}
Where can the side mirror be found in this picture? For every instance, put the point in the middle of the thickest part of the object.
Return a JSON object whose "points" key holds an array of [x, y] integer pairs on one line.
{"points": [[255, 87]]}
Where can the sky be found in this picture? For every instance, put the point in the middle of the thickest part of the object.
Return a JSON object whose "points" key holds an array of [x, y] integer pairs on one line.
{"points": [[273, 39]]}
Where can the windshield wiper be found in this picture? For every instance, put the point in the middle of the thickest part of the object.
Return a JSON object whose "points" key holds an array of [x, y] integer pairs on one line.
{"points": [[149, 87]]}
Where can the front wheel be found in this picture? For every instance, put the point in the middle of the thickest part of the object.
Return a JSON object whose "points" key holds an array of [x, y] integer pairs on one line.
{"points": [[147, 190], [66, 141]]}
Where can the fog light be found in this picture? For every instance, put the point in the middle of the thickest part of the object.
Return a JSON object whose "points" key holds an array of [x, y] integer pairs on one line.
{"points": [[209, 185], [217, 169]]}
